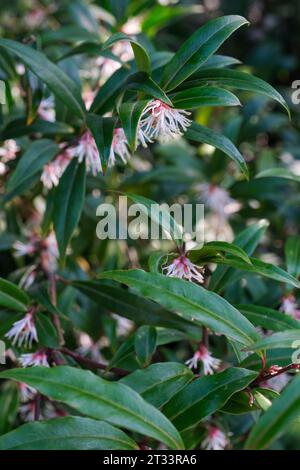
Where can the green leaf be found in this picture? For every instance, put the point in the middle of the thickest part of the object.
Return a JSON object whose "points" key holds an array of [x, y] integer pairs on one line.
{"points": [[237, 80], [68, 203], [292, 255], [268, 318], [29, 166], [102, 129], [159, 382], [198, 48], [204, 135], [106, 98], [189, 301], [141, 81], [140, 54], [205, 395], [248, 240], [278, 173], [277, 419], [99, 399], [19, 128], [204, 96], [132, 306], [212, 249], [130, 115], [47, 333], [9, 405], [145, 344], [263, 269], [12, 297], [284, 339], [160, 216], [57, 81], [69, 433], [281, 357]]}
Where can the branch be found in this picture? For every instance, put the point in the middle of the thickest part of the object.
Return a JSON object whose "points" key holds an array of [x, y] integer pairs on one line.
{"points": [[93, 364]]}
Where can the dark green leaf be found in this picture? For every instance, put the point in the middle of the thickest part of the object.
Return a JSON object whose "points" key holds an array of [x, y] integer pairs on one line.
{"points": [[145, 343]]}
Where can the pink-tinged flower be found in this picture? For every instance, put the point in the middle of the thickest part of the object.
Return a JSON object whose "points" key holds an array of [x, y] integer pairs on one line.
{"points": [[160, 121], [23, 249], [39, 358], [88, 98], [183, 268], [290, 307], [46, 109], [217, 199], [9, 150], [23, 332], [53, 171], [49, 253], [26, 392], [35, 18], [216, 439], [119, 147], [27, 411], [87, 149], [210, 363]]}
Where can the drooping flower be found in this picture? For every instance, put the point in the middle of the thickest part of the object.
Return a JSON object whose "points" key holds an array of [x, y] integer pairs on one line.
{"points": [[26, 392], [183, 268], [53, 171], [217, 199], [210, 363], [290, 307], [216, 439], [27, 411], [8, 151], [23, 332], [119, 147], [87, 149], [24, 249], [160, 121], [38, 358]]}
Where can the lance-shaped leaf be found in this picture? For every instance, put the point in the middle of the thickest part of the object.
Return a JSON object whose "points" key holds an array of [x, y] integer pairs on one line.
{"points": [[190, 301], [29, 166], [237, 80], [160, 216], [202, 134], [205, 395], [58, 82], [198, 48], [248, 240], [283, 339], [159, 382], [283, 173], [12, 297], [141, 81], [130, 115], [140, 54], [99, 399], [68, 203], [292, 255], [277, 419], [268, 318], [145, 344], [204, 96], [212, 249], [69, 433], [102, 129]]}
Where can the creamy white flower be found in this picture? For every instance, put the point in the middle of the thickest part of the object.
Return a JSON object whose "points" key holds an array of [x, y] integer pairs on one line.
{"points": [[49, 253], [87, 149], [122, 50], [27, 411], [23, 332], [210, 363], [160, 121], [8, 151], [119, 147], [46, 109], [216, 439], [39, 358], [53, 171], [23, 249], [183, 268], [217, 199], [26, 392], [35, 18], [290, 306]]}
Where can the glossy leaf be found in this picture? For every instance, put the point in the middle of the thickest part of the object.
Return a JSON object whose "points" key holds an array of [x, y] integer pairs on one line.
{"points": [[12, 297], [292, 255], [102, 129], [284, 339], [145, 343], [204, 96], [268, 318], [130, 114]]}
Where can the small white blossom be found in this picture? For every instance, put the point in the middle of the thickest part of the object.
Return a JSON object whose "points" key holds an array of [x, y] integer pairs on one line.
{"points": [[23, 332], [23, 249], [39, 358], [87, 149], [183, 268], [217, 199], [216, 439], [26, 392], [160, 121], [119, 147], [46, 109], [27, 411], [290, 307], [53, 171], [49, 253], [210, 363], [8, 151]]}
